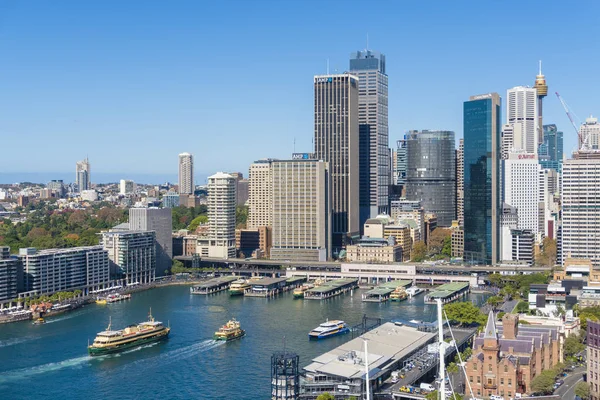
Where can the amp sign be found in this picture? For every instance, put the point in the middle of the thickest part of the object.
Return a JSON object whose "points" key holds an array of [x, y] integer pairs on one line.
{"points": [[300, 156]]}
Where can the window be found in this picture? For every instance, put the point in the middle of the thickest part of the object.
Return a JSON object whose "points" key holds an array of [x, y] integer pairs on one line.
{"points": [[474, 367], [471, 379], [502, 381], [509, 382], [490, 368], [478, 379], [506, 368]]}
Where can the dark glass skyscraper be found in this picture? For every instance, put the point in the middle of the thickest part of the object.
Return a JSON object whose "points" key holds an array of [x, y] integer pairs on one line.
{"points": [[551, 151], [482, 178], [431, 173], [374, 155]]}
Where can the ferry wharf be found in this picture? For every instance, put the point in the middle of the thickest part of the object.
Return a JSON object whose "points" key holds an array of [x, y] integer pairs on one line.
{"points": [[382, 292], [331, 289], [269, 287], [448, 292], [214, 285]]}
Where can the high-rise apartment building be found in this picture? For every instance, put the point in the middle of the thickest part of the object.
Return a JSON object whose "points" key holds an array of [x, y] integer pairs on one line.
{"points": [[10, 275], [550, 152], [590, 133], [431, 173], [401, 163], [482, 201], [580, 234], [160, 221], [337, 142], [132, 255], [186, 173], [460, 183], [126, 187], [369, 66], [221, 215], [57, 187], [522, 114], [260, 194], [57, 270], [83, 175], [301, 218]]}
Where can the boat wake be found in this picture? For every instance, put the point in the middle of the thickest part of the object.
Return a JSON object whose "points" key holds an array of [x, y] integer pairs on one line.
{"points": [[68, 315], [26, 373], [191, 350], [14, 341]]}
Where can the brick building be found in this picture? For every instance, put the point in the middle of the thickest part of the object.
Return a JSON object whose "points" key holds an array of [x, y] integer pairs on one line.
{"points": [[505, 360], [593, 345]]}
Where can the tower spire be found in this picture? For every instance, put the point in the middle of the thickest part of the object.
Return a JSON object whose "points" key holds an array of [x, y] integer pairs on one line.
{"points": [[490, 327], [540, 68]]}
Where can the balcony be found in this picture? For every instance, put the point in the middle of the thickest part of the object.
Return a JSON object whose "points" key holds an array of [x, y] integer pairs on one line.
{"points": [[492, 386]]}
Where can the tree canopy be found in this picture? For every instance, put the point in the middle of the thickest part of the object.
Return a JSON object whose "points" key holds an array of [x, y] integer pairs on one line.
{"points": [[582, 390], [419, 251], [325, 396], [465, 313], [544, 382]]}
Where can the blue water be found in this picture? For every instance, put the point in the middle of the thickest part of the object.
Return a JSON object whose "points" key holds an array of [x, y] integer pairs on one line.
{"points": [[50, 361]]}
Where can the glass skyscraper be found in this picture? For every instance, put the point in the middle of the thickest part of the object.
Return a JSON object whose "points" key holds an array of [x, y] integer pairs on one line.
{"points": [[482, 178], [551, 151]]}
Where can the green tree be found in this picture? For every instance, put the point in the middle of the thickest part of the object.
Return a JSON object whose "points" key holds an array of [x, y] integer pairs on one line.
{"points": [[241, 216], [177, 267], [419, 251], [522, 307], [436, 241], [434, 396], [465, 313], [544, 382], [200, 219], [494, 301], [582, 389], [325, 396], [547, 256], [591, 313], [447, 249], [573, 346]]}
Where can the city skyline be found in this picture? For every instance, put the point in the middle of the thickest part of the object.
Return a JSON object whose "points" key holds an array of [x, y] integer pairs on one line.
{"points": [[93, 104]]}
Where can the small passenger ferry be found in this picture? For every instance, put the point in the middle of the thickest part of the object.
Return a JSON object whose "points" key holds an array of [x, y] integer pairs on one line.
{"points": [[230, 331], [328, 329]]}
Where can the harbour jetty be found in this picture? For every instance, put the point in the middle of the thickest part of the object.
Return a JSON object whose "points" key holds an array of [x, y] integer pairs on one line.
{"points": [[331, 289], [448, 292], [382, 292], [269, 287], [213, 285]]}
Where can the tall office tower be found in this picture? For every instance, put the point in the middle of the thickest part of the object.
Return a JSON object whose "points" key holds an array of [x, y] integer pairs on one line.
{"points": [[393, 166], [221, 215], [507, 140], [83, 175], [186, 173], [551, 151], [521, 113], [590, 132], [57, 270], [431, 173], [369, 66], [260, 194], [541, 92], [401, 160], [337, 142], [301, 218], [132, 255], [522, 189], [159, 220], [126, 187], [482, 181], [460, 183], [580, 217], [508, 222]]}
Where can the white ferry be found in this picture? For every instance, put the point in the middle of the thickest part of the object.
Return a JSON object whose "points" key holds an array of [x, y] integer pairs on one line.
{"points": [[413, 291], [328, 329]]}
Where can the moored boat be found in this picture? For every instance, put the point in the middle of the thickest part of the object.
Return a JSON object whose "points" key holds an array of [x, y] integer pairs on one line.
{"points": [[413, 291], [299, 292], [230, 331], [238, 287], [399, 294], [328, 329], [39, 321], [101, 300], [109, 341], [113, 298]]}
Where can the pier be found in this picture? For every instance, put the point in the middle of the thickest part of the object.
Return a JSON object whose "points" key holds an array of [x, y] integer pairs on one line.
{"points": [[268, 287], [382, 292], [331, 289], [213, 285], [448, 292]]}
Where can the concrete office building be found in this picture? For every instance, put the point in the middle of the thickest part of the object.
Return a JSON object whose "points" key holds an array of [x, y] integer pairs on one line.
{"points": [[431, 173], [522, 245], [301, 218], [57, 270], [132, 255], [171, 200], [580, 233], [374, 168], [482, 178], [401, 163], [221, 215], [337, 142], [186, 173], [551, 151], [590, 132], [460, 183], [522, 115], [83, 175], [260, 194], [522, 189], [160, 221], [508, 223], [126, 187]]}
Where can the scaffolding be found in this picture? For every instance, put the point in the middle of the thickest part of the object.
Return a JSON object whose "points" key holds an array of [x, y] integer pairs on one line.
{"points": [[285, 376]]}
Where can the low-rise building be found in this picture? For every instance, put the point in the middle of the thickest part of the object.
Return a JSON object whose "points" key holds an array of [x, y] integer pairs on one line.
{"points": [[374, 250], [457, 240], [548, 299], [507, 359]]}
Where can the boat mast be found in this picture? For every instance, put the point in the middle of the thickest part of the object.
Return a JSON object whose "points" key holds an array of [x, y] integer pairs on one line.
{"points": [[109, 323], [367, 371], [442, 349]]}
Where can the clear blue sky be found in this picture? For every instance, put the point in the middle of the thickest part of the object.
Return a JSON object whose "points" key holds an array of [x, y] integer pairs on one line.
{"points": [[133, 83]]}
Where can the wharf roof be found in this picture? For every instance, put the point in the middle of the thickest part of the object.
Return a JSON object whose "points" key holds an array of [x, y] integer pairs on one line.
{"points": [[331, 285], [386, 343], [218, 281], [448, 289], [267, 281]]}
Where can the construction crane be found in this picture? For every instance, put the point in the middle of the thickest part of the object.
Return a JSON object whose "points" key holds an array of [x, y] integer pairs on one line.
{"points": [[570, 117]]}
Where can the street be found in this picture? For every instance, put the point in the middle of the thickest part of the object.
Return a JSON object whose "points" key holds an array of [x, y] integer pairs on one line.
{"points": [[566, 391]]}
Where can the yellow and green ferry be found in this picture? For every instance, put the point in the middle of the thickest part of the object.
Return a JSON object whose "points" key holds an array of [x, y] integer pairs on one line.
{"points": [[299, 292], [230, 331], [239, 287], [109, 341]]}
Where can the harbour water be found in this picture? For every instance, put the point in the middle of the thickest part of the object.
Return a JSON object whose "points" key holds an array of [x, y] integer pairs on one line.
{"points": [[50, 361]]}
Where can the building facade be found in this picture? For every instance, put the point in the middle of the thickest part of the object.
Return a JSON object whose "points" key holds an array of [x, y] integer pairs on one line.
{"points": [[132, 255], [522, 115], [482, 178], [301, 204], [56, 270], [374, 250], [592, 359], [260, 194], [10, 275], [522, 188], [337, 143], [170, 200], [374, 167], [186, 173], [580, 229], [160, 221], [83, 175], [522, 245], [460, 182], [126, 187], [550, 152], [221, 215], [589, 134]]}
